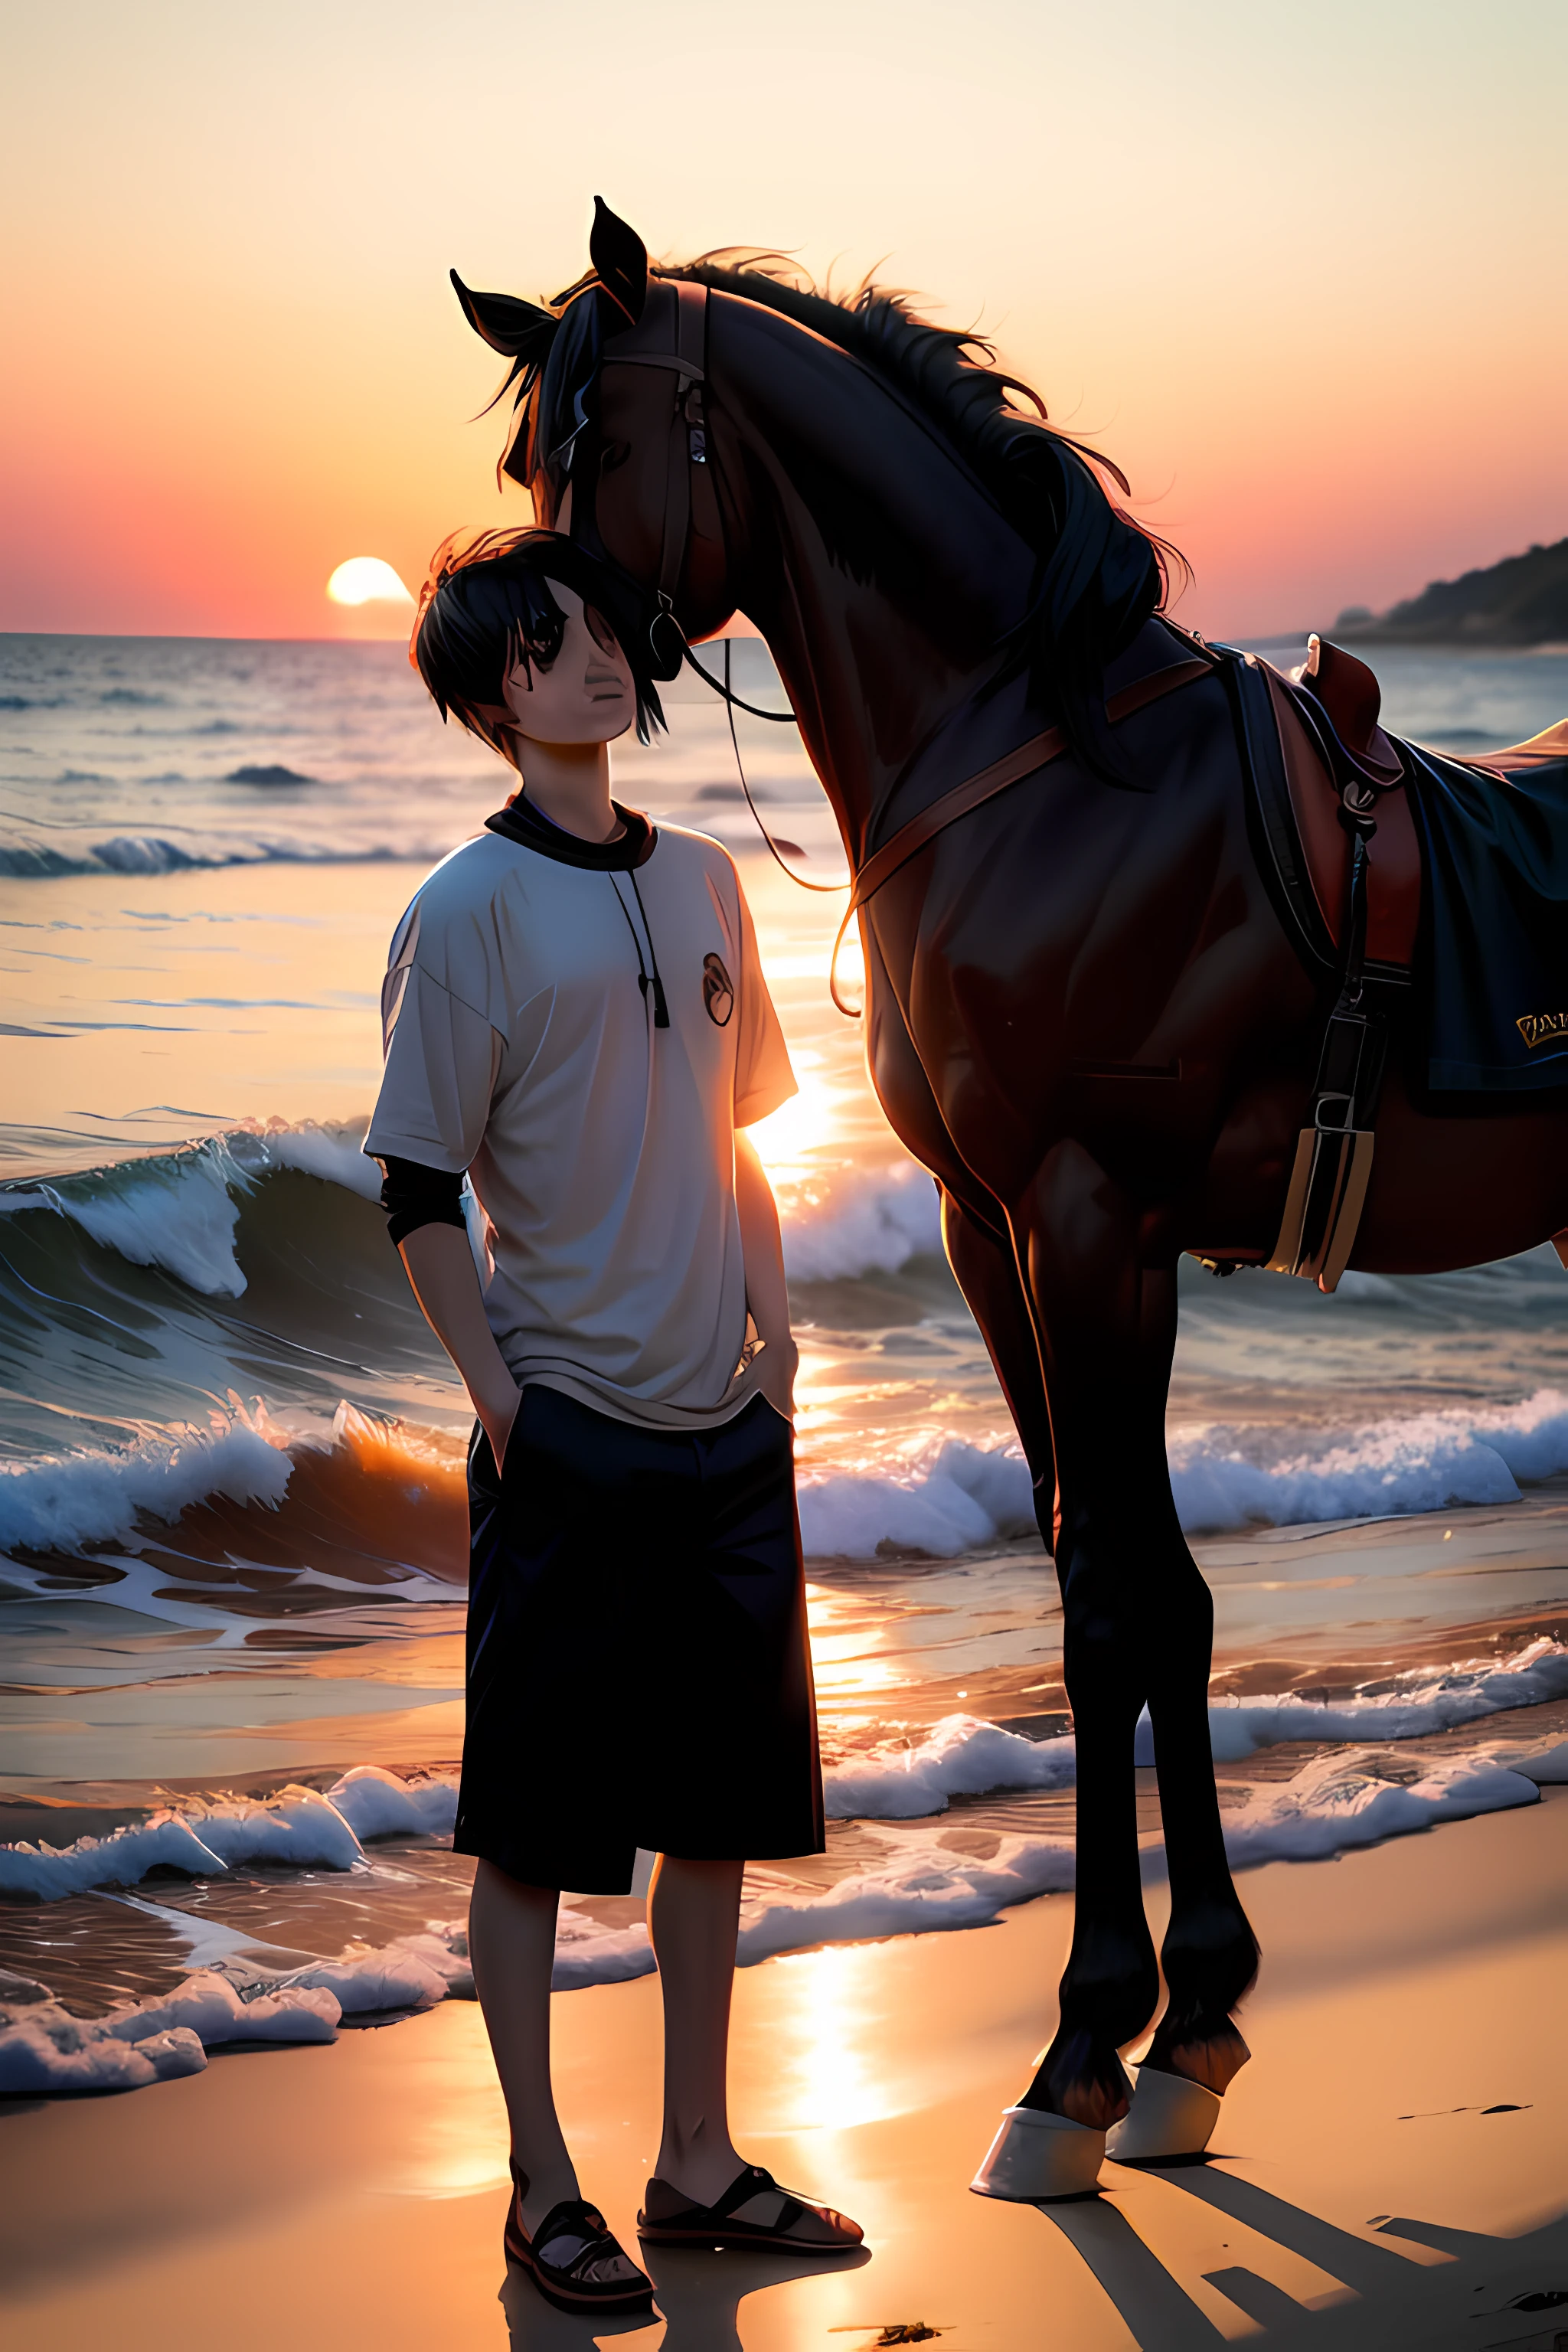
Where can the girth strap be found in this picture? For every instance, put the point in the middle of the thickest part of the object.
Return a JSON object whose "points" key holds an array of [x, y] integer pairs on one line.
{"points": [[975, 791]]}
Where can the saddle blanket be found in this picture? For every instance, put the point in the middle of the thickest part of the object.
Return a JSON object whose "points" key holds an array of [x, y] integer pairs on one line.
{"points": [[1495, 849]]}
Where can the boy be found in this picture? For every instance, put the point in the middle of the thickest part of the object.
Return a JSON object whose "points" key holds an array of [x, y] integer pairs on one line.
{"points": [[576, 1016]]}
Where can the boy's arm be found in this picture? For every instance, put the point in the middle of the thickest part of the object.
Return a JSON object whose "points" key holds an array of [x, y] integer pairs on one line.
{"points": [[441, 1267], [766, 1295]]}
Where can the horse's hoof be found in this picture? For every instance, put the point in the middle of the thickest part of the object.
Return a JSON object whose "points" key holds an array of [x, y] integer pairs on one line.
{"points": [[1036, 2158], [1169, 2117]]}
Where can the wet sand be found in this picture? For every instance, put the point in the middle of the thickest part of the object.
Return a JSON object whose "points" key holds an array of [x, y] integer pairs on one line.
{"points": [[1363, 2196]]}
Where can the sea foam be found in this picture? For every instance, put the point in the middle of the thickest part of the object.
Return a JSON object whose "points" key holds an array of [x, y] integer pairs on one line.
{"points": [[960, 1756], [43, 2049], [59, 1502], [859, 1222], [1226, 1479], [1411, 1707], [960, 1498], [965, 1495], [1335, 1805], [921, 1884], [296, 1829]]}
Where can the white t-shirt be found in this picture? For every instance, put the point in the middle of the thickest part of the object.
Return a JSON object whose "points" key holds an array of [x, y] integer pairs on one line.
{"points": [[520, 1046]]}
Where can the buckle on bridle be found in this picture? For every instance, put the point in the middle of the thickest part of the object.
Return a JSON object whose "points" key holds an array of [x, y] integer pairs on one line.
{"points": [[667, 640]]}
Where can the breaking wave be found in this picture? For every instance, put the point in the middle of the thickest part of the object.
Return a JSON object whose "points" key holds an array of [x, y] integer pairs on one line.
{"points": [[969, 1496], [150, 853], [143, 1261], [965, 1495], [1228, 1478]]}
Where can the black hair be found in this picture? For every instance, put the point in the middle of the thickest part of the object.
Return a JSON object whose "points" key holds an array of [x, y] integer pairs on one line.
{"points": [[487, 607]]}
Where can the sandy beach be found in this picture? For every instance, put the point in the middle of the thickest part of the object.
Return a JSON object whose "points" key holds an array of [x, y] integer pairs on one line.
{"points": [[1390, 2170]]}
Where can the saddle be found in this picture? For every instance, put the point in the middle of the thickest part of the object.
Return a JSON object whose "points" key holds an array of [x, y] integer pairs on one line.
{"points": [[1334, 687], [1476, 850]]}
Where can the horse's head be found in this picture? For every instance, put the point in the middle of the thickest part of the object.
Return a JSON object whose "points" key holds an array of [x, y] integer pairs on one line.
{"points": [[869, 485], [608, 381]]}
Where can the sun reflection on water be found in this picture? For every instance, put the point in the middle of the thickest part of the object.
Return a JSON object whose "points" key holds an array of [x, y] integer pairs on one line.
{"points": [[804, 1125], [455, 2135], [845, 1639], [822, 2075]]}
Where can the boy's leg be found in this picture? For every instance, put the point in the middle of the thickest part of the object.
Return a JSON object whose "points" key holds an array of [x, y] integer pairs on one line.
{"points": [[512, 1945], [693, 1910]]}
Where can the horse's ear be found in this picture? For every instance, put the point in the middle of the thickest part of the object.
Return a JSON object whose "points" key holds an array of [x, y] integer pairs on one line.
{"points": [[517, 330], [620, 261]]}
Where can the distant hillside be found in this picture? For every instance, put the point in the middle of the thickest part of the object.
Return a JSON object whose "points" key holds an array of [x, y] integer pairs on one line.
{"points": [[1523, 601]]}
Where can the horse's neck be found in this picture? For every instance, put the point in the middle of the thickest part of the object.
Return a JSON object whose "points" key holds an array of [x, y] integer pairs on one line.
{"points": [[868, 691], [880, 577]]}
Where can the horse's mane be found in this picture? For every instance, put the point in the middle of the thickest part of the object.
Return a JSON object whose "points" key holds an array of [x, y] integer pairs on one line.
{"points": [[1098, 574], [966, 397]]}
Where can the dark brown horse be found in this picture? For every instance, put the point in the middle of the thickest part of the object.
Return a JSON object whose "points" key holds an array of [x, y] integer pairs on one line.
{"points": [[1084, 1013]]}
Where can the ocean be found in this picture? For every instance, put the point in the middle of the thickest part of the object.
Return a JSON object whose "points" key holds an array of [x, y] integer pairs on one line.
{"points": [[231, 1498]]}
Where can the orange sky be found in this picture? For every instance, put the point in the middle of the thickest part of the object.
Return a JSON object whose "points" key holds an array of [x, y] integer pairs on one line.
{"points": [[1300, 270]]}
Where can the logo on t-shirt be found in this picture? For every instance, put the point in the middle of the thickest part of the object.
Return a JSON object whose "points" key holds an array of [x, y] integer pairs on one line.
{"points": [[718, 990]]}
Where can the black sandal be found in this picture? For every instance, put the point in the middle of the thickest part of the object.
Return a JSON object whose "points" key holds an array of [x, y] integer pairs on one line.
{"points": [[590, 2272], [670, 2219]]}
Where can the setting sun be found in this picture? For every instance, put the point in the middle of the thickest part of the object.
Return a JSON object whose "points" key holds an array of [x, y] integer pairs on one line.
{"points": [[366, 579]]}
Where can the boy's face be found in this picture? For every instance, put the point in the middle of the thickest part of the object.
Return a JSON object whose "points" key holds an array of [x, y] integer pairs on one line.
{"points": [[586, 695]]}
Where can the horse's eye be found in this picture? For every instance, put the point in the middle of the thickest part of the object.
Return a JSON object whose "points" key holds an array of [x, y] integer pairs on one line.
{"points": [[615, 453]]}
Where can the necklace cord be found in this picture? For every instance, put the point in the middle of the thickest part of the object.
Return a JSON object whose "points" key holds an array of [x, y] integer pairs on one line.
{"points": [[646, 980]]}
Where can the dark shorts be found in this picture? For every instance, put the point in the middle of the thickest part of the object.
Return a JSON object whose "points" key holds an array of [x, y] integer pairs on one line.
{"points": [[638, 1669]]}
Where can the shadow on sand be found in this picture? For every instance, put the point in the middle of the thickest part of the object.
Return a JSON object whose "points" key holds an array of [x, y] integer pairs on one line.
{"points": [[698, 2290], [1488, 2292]]}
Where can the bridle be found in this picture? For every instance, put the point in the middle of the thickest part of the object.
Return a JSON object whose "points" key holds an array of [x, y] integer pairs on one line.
{"points": [[672, 333], [675, 337]]}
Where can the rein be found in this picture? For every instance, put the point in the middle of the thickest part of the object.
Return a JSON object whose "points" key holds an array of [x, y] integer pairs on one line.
{"points": [[731, 704], [976, 789]]}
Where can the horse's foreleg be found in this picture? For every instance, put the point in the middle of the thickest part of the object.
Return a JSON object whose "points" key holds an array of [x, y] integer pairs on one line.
{"points": [[1138, 1628], [1210, 1953]]}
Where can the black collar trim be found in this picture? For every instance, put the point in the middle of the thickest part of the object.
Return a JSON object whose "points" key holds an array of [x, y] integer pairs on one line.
{"points": [[521, 822]]}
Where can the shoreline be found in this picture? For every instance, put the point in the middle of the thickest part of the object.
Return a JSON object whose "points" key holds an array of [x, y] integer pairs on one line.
{"points": [[1430, 1590], [1364, 2199]]}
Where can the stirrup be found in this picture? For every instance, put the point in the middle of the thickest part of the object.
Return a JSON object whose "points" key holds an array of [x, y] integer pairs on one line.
{"points": [[1169, 2118], [1037, 2158], [1323, 1206]]}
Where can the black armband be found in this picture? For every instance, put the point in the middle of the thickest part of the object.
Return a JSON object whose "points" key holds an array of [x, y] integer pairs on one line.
{"points": [[414, 1195]]}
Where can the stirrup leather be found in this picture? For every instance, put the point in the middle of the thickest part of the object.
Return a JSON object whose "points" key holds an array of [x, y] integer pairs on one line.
{"points": [[1334, 1156]]}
